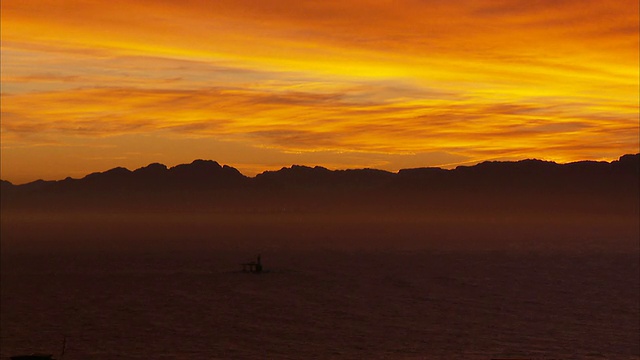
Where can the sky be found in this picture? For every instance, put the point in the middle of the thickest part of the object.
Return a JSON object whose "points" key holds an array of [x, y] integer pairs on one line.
{"points": [[88, 85]]}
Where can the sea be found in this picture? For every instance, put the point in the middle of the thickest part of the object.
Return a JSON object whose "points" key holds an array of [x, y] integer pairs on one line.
{"points": [[322, 304]]}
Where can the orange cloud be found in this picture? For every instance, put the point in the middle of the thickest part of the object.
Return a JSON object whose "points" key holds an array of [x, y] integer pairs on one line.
{"points": [[472, 79]]}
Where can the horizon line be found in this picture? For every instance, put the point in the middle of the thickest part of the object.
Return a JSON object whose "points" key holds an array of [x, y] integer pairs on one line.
{"points": [[440, 166]]}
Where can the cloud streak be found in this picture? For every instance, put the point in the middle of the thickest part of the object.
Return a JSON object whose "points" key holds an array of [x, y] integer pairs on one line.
{"points": [[469, 79]]}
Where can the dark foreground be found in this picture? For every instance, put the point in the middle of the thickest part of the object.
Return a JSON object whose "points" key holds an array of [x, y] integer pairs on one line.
{"points": [[344, 304]]}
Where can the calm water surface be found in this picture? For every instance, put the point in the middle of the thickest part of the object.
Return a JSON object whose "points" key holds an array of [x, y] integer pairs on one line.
{"points": [[322, 304]]}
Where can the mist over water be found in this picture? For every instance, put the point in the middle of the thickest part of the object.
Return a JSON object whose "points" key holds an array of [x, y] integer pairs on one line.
{"points": [[150, 286]]}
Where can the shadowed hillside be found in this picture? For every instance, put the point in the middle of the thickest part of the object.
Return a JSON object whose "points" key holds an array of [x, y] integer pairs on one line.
{"points": [[528, 186], [492, 204]]}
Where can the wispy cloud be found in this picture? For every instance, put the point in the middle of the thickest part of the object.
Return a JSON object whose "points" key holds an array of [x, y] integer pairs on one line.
{"points": [[469, 79]]}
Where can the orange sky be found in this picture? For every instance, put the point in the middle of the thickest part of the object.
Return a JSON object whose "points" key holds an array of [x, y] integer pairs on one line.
{"points": [[88, 85]]}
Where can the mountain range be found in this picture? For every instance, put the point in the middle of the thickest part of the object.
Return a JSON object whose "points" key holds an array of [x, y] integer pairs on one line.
{"points": [[527, 186]]}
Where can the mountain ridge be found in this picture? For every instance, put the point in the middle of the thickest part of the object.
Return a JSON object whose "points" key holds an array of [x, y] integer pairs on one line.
{"points": [[524, 186], [201, 164]]}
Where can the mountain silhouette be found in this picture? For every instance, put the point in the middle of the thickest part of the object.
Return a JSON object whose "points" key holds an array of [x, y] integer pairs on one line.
{"points": [[527, 186]]}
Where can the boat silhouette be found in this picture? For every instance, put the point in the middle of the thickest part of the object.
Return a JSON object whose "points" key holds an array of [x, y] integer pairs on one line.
{"points": [[254, 267]]}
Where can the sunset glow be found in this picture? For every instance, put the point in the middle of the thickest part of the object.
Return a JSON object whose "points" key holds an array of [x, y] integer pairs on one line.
{"points": [[88, 85]]}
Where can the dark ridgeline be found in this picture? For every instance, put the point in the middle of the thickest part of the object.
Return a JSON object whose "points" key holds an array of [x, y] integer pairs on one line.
{"points": [[522, 187]]}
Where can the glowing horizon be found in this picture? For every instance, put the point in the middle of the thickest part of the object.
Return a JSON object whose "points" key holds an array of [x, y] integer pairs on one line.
{"points": [[90, 85]]}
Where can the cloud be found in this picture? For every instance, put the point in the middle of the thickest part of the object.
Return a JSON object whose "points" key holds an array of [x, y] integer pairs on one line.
{"points": [[308, 121], [469, 78]]}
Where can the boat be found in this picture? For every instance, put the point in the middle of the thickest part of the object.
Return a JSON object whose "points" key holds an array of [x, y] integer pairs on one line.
{"points": [[254, 267]]}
